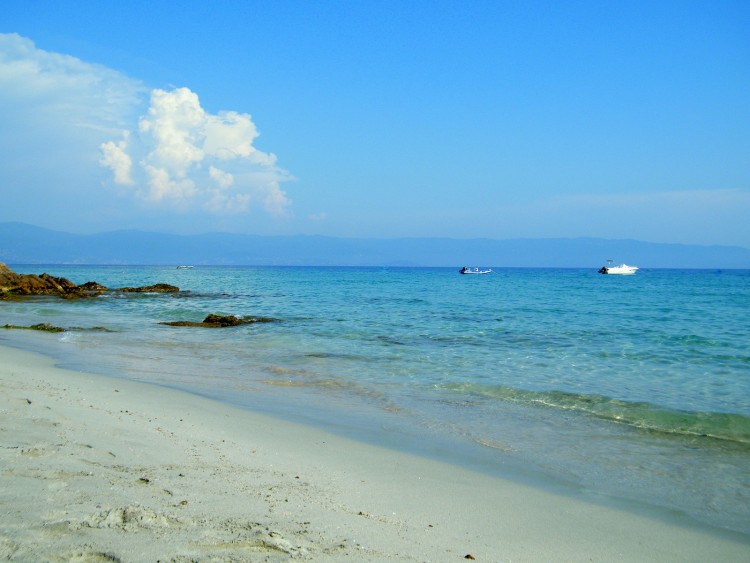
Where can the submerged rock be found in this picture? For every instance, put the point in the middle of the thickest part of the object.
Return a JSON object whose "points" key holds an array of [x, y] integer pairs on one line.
{"points": [[46, 327], [222, 321], [156, 288]]}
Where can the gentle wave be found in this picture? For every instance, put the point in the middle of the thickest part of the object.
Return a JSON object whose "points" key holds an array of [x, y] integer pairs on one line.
{"points": [[614, 384], [645, 416]]}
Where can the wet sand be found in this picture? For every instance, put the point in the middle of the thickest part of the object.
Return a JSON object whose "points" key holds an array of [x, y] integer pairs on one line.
{"points": [[101, 469]]}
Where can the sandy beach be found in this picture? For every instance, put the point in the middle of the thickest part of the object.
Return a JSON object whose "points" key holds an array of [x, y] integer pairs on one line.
{"points": [[102, 469]]}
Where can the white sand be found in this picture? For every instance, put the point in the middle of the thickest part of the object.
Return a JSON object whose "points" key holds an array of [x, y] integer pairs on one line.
{"points": [[101, 469]]}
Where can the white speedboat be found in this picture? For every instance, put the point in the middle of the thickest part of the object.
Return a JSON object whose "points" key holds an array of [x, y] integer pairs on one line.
{"points": [[622, 269], [467, 270]]}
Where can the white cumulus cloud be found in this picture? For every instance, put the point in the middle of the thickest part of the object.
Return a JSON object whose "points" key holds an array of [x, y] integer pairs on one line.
{"points": [[222, 179], [116, 158], [189, 158], [56, 111]]}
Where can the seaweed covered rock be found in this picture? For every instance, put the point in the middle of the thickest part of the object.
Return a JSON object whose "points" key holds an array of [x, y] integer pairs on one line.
{"points": [[45, 327], [92, 286], [222, 321], [156, 288]]}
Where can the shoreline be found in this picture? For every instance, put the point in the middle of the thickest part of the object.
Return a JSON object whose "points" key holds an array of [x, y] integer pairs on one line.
{"points": [[92, 466]]}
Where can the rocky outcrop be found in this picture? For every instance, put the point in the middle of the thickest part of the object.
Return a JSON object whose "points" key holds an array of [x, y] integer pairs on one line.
{"points": [[221, 321], [92, 286], [13, 284], [156, 288]]}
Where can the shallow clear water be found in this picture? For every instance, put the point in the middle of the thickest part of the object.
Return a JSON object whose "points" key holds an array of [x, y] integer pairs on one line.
{"points": [[636, 387]]}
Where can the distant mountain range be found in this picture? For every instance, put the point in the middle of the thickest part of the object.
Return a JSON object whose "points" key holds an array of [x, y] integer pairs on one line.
{"points": [[21, 243]]}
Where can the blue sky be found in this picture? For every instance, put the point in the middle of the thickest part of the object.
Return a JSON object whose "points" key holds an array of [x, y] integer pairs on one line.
{"points": [[385, 119]]}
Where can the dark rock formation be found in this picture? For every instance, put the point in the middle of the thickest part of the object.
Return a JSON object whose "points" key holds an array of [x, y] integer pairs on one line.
{"points": [[13, 284], [92, 286], [156, 288], [46, 327], [222, 321]]}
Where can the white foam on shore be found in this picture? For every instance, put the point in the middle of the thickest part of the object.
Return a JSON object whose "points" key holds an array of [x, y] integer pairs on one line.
{"points": [[92, 466]]}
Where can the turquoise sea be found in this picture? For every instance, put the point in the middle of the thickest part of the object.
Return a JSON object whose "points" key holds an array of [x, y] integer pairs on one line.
{"points": [[626, 389]]}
